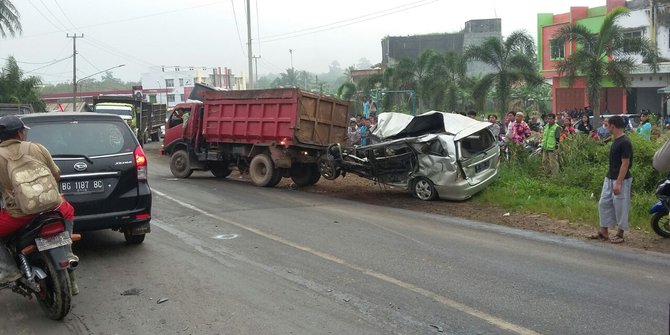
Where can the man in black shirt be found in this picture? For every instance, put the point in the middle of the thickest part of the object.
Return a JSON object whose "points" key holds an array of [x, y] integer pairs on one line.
{"points": [[614, 202]]}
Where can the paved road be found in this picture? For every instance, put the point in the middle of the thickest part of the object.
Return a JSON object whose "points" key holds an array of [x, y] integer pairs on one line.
{"points": [[236, 259]]}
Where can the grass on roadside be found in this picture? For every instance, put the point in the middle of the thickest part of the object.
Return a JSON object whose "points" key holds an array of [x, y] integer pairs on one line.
{"points": [[573, 197]]}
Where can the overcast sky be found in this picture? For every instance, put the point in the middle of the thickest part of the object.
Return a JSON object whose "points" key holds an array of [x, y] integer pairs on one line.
{"points": [[145, 33]]}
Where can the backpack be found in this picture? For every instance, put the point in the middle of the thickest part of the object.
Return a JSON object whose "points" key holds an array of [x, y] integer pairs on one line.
{"points": [[34, 188]]}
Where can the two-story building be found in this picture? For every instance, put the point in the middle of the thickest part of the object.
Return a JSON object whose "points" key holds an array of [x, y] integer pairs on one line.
{"points": [[647, 89]]}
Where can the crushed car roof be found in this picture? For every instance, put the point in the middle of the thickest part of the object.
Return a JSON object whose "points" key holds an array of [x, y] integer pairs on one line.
{"points": [[398, 125]]}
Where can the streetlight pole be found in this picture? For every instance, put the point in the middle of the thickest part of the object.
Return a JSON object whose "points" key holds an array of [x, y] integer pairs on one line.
{"points": [[74, 103]]}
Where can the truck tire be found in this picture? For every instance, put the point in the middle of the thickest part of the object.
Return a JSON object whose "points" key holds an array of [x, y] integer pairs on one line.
{"points": [[180, 164], [220, 171], [305, 175], [262, 171], [155, 137]]}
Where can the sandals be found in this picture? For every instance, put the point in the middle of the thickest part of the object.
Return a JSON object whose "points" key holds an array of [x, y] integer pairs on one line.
{"points": [[598, 236], [617, 239]]}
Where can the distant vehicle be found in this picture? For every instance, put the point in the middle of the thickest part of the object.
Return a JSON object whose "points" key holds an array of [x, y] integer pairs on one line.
{"points": [[103, 170], [434, 155], [148, 117], [125, 111], [15, 109], [271, 134]]}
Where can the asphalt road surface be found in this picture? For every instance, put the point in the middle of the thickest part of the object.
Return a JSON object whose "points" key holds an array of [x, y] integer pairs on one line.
{"points": [[232, 258]]}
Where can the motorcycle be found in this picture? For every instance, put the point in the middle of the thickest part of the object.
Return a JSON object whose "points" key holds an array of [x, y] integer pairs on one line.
{"points": [[39, 250], [660, 219]]}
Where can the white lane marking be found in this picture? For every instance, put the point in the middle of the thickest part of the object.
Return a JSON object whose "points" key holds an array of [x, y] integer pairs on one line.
{"points": [[496, 321], [225, 236]]}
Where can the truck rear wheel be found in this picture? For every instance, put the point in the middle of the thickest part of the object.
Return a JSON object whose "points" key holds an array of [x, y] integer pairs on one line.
{"points": [[180, 164], [262, 171]]}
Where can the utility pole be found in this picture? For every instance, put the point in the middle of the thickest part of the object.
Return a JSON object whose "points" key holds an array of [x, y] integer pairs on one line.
{"points": [[74, 68], [249, 51], [256, 69]]}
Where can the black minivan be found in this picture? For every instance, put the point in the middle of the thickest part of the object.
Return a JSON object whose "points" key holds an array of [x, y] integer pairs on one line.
{"points": [[103, 170]]}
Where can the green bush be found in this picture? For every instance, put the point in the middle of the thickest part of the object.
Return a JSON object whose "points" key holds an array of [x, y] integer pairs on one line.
{"points": [[574, 193]]}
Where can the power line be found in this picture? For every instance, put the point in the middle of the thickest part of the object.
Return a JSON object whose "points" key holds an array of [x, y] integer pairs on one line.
{"points": [[132, 18], [52, 14], [237, 27], [50, 64], [347, 22], [89, 62], [65, 15], [112, 50], [45, 17]]}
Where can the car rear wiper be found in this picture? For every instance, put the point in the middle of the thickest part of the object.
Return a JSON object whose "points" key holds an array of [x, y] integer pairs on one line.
{"points": [[73, 156]]}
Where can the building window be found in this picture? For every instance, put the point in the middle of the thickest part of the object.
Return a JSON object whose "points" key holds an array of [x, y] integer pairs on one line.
{"points": [[181, 81], [557, 50], [169, 82], [170, 98], [181, 98], [631, 40]]}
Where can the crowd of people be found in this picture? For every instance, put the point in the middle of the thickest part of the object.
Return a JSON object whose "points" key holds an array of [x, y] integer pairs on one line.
{"points": [[360, 129]]}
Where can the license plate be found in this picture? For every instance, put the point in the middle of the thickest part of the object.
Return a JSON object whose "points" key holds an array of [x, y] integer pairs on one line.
{"points": [[481, 166], [46, 243], [82, 186]]}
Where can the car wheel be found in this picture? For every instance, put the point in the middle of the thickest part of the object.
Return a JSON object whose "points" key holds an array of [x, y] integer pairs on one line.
{"points": [[180, 164], [424, 189], [327, 168], [262, 171], [134, 239]]}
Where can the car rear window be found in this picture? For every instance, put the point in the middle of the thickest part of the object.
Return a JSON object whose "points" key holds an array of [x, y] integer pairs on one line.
{"points": [[90, 138]]}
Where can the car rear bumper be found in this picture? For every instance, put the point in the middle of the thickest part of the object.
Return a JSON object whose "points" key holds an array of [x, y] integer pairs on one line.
{"points": [[463, 190], [110, 220]]}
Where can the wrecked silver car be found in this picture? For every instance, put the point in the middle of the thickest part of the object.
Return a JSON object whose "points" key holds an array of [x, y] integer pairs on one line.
{"points": [[435, 154]]}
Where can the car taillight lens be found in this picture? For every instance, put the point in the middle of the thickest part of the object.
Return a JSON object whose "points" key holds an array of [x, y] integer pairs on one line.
{"points": [[52, 229], [141, 164]]}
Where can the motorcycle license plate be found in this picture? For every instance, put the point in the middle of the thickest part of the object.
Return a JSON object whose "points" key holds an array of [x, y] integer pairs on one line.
{"points": [[51, 242]]}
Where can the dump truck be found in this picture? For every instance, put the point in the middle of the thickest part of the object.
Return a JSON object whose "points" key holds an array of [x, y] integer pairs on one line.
{"points": [[15, 109], [145, 118], [269, 134]]}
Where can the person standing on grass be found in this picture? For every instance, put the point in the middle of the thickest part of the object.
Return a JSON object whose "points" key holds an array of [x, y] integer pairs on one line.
{"points": [[549, 145], [614, 202]]}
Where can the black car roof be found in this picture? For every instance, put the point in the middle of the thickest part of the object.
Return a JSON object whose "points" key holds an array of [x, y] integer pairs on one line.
{"points": [[69, 116]]}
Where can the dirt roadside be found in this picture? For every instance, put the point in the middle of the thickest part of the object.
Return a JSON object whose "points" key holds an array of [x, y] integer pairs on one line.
{"points": [[356, 188]]}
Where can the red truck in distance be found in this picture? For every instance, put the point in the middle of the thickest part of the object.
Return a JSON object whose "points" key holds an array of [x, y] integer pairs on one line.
{"points": [[271, 134]]}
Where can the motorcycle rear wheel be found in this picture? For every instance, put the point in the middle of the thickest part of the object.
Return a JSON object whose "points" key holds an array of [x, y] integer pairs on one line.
{"points": [[661, 224], [55, 297]]}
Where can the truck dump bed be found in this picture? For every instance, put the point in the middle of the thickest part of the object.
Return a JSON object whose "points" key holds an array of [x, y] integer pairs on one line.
{"points": [[288, 116]]}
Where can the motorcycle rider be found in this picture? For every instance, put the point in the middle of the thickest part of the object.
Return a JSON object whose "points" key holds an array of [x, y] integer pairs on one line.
{"points": [[12, 134]]}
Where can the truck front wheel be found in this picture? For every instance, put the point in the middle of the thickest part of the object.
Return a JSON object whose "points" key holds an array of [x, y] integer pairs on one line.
{"points": [[262, 171], [180, 164]]}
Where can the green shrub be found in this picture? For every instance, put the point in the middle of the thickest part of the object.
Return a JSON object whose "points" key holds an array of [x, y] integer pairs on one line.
{"points": [[574, 193]]}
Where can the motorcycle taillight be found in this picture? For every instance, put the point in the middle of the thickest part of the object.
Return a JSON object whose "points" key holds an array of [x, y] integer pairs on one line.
{"points": [[51, 229]]}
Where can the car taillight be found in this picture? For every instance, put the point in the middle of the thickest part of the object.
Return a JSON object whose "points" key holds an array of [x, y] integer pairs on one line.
{"points": [[141, 164], [52, 229]]}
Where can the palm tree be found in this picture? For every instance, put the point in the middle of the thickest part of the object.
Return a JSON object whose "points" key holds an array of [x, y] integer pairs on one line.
{"points": [[419, 75], [16, 89], [290, 78], [603, 55], [9, 19], [513, 63]]}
